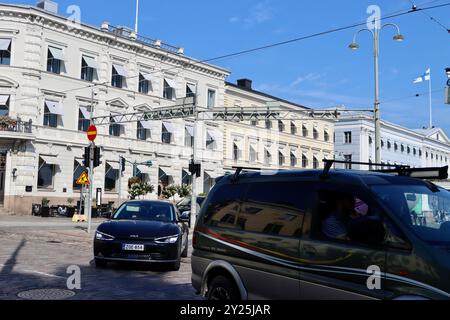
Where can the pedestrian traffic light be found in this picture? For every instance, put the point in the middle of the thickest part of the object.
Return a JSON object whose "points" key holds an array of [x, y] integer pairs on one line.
{"points": [[97, 157], [195, 168], [122, 164], [87, 156]]}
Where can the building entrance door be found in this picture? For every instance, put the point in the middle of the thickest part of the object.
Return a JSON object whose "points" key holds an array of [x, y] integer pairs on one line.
{"points": [[2, 177]]}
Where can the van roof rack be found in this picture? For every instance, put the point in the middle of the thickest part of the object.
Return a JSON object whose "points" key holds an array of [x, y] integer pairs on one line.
{"points": [[436, 173], [239, 170]]}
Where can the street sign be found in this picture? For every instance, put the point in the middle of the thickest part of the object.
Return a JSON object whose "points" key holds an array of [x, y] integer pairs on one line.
{"points": [[83, 179], [92, 133]]}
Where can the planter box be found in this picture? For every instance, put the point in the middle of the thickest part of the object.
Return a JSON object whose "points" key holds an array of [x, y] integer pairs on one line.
{"points": [[45, 212]]}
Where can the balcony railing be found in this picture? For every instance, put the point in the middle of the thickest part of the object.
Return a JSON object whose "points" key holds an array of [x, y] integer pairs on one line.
{"points": [[11, 125]]}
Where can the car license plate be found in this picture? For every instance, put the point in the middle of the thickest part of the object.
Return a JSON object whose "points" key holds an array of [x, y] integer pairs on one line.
{"points": [[133, 247]]}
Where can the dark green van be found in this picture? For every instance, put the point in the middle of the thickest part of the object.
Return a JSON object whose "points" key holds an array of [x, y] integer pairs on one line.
{"points": [[323, 235]]}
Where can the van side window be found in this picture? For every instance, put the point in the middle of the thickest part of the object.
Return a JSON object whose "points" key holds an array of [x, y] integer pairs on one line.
{"points": [[275, 208], [223, 208], [345, 217]]}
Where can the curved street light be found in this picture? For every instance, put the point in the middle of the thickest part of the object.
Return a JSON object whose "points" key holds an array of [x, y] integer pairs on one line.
{"points": [[376, 51]]}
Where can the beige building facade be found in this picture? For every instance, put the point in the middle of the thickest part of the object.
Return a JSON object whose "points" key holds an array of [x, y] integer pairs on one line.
{"points": [[274, 144]]}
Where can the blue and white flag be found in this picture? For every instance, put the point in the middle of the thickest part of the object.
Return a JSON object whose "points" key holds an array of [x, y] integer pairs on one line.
{"points": [[424, 77]]}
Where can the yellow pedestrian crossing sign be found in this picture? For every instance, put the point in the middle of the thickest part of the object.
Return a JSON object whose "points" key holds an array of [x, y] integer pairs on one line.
{"points": [[83, 179]]}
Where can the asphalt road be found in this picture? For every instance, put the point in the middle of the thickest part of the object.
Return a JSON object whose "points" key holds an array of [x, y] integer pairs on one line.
{"points": [[35, 253]]}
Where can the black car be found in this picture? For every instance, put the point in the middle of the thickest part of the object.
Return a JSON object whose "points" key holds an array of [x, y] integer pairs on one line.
{"points": [[143, 231]]}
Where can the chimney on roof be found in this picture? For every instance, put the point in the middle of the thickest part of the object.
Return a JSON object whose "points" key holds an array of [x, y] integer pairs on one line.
{"points": [[48, 5], [245, 83]]}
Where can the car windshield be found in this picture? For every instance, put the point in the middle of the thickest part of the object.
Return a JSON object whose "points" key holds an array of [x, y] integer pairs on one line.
{"points": [[425, 212], [184, 202], [147, 211]]}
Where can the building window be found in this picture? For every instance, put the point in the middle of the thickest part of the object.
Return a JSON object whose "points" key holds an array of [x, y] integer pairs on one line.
{"points": [[5, 51], [208, 182], [237, 153], [189, 136], [118, 76], [348, 137], [326, 136], [4, 105], [389, 145], [315, 163], [167, 133], [281, 159], [84, 119], [114, 127], [253, 155], [144, 84], [420, 153], [254, 123], [186, 178], [142, 132], [190, 90], [281, 126], [211, 140], [111, 177], [305, 162], [408, 150], [348, 158], [293, 128], [402, 148], [382, 143], [55, 59], [88, 67], [211, 99], [268, 124], [293, 160], [169, 89], [51, 112], [395, 147], [370, 140], [77, 171], [305, 132], [46, 173], [315, 134], [267, 157]]}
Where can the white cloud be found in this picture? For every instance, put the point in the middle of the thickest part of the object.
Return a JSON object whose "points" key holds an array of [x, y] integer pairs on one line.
{"points": [[233, 19], [309, 77], [260, 13]]}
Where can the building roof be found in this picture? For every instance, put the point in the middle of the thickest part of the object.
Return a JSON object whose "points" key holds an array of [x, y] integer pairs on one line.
{"points": [[266, 95]]}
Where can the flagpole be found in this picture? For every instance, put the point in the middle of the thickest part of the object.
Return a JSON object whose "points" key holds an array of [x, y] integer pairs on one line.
{"points": [[431, 106], [137, 17]]}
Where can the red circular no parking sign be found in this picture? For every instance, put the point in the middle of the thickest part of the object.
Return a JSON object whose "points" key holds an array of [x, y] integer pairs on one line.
{"points": [[92, 133]]}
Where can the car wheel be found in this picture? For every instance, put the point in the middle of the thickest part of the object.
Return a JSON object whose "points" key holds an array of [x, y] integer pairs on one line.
{"points": [[184, 254], [175, 266], [100, 263], [222, 289]]}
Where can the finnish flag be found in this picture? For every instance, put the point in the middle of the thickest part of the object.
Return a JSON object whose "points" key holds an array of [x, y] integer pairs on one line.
{"points": [[425, 77]]}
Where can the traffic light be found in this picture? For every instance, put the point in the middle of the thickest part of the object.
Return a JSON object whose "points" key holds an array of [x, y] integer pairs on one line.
{"points": [[195, 168], [87, 156], [97, 157], [122, 164]]}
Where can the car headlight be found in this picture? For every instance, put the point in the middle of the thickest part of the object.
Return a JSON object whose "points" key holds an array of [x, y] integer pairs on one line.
{"points": [[169, 239], [103, 236]]}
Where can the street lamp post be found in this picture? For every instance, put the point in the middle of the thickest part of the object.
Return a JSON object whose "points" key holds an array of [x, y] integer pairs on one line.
{"points": [[376, 52]]}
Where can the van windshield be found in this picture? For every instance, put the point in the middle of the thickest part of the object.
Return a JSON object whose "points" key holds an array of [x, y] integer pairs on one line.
{"points": [[425, 212]]}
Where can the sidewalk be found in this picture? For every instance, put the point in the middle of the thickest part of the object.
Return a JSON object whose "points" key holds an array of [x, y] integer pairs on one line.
{"points": [[9, 221]]}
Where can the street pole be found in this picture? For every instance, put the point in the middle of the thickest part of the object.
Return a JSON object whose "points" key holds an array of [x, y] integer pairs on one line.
{"points": [[120, 180], [194, 158], [431, 103], [91, 169], [376, 43]]}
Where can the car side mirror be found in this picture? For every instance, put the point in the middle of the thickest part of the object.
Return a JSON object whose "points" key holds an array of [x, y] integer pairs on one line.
{"points": [[185, 216]]}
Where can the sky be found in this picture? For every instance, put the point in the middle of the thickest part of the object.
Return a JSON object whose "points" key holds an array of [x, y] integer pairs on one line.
{"points": [[321, 72]]}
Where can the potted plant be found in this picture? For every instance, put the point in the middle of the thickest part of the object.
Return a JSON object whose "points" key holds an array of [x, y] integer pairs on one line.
{"points": [[169, 192], [140, 189], [184, 190], [45, 211]]}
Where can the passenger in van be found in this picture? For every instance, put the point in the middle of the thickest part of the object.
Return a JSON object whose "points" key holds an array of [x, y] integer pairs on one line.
{"points": [[335, 225]]}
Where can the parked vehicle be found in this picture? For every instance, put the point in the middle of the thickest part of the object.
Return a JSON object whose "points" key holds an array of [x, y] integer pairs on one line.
{"points": [[143, 231], [331, 234], [185, 206]]}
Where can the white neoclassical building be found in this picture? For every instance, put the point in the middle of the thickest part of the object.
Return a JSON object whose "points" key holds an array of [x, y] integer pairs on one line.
{"points": [[49, 68], [355, 140]]}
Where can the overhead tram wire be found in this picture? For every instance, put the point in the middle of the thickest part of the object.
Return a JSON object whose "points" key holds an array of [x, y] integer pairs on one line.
{"points": [[414, 8], [260, 48]]}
